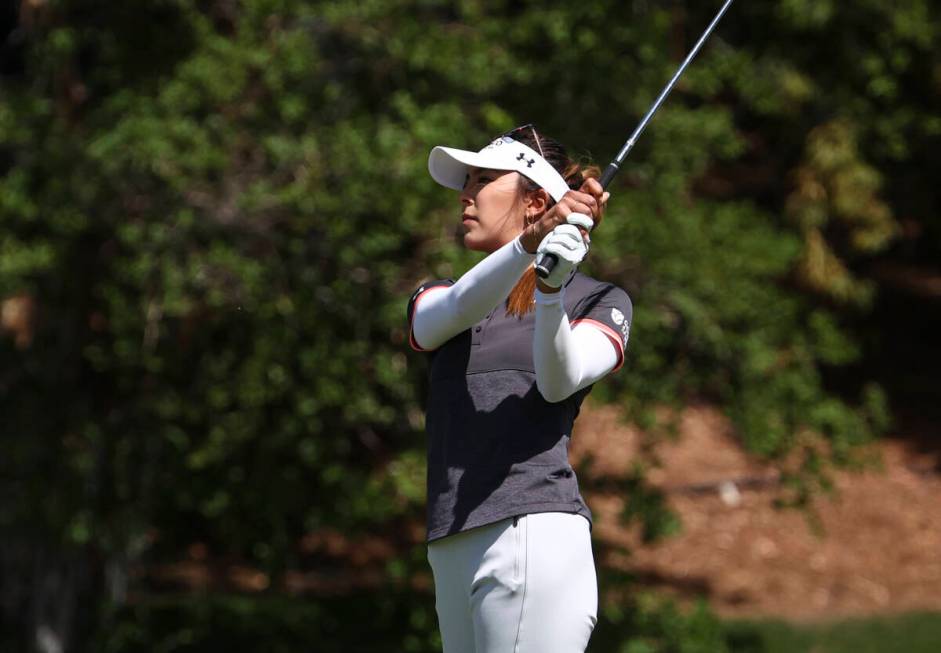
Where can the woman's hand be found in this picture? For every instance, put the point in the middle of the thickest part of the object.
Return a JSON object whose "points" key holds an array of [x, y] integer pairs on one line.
{"points": [[588, 200], [568, 243]]}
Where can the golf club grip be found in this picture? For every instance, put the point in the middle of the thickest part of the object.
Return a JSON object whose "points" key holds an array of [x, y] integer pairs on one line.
{"points": [[608, 174], [545, 263]]}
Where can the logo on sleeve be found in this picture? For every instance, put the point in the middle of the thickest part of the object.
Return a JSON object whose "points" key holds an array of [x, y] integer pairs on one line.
{"points": [[618, 318]]}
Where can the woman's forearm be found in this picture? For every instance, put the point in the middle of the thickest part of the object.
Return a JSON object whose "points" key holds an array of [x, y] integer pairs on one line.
{"points": [[443, 312]]}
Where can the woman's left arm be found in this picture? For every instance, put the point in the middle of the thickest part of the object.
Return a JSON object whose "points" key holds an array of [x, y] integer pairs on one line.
{"points": [[569, 358]]}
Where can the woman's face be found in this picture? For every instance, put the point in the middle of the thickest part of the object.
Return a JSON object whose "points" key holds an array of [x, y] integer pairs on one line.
{"points": [[493, 214]]}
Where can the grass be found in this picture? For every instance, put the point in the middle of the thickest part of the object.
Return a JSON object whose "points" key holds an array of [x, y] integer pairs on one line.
{"points": [[909, 633]]}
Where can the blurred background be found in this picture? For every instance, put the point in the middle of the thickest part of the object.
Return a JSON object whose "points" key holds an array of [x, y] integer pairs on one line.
{"points": [[213, 212]]}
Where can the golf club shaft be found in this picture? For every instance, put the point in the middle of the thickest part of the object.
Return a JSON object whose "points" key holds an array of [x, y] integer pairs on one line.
{"points": [[547, 263]]}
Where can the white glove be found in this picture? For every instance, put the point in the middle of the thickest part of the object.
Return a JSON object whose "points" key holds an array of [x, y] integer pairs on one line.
{"points": [[568, 245]]}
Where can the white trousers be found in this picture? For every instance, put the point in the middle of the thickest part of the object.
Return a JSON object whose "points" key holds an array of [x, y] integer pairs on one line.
{"points": [[520, 585]]}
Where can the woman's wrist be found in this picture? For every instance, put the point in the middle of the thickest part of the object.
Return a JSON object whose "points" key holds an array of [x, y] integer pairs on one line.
{"points": [[520, 248], [549, 298], [529, 240]]}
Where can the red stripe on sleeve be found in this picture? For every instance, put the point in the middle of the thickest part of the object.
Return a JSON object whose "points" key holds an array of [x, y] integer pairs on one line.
{"points": [[613, 336], [411, 334]]}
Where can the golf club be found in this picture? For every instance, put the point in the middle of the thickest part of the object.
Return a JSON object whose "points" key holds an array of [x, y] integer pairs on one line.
{"points": [[545, 263]]}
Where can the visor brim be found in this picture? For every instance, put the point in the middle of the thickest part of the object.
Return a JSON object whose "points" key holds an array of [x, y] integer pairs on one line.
{"points": [[450, 166]]}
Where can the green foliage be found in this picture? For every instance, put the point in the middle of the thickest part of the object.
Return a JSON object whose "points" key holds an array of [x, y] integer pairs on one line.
{"points": [[400, 621], [654, 625], [647, 506], [393, 620]]}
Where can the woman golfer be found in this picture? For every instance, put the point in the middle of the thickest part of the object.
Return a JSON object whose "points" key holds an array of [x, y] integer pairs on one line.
{"points": [[512, 358]]}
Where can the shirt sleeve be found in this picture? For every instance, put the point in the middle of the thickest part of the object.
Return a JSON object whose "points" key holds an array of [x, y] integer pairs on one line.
{"points": [[609, 310]]}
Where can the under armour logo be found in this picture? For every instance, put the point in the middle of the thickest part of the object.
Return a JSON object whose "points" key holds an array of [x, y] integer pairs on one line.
{"points": [[522, 157]]}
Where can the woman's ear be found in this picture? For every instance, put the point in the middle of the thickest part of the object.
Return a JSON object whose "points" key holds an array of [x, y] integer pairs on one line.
{"points": [[537, 202]]}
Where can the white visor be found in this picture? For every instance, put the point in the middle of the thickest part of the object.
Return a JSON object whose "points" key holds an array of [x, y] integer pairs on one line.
{"points": [[449, 166]]}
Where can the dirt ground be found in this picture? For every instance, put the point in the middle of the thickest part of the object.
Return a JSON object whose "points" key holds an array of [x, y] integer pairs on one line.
{"points": [[879, 552]]}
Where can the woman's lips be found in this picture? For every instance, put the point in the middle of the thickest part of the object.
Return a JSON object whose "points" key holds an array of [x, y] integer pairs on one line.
{"points": [[468, 218]]}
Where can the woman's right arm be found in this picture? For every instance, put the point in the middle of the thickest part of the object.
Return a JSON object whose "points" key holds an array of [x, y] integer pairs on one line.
{"points": [[441, 312]]}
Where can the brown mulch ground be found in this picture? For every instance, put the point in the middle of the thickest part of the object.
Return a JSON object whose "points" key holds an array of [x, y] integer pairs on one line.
{"points": [[879, 552]]}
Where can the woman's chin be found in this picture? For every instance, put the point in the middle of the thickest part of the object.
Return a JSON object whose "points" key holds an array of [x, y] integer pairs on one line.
{"points": [[474, 243]]}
